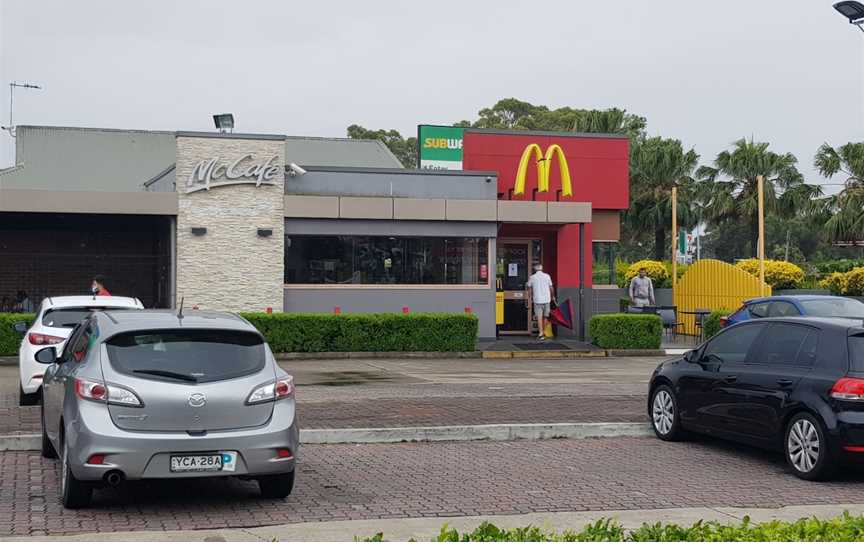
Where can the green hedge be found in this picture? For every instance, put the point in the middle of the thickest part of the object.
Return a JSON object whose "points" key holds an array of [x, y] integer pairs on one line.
{"points": [[845, 528], [10, 340], [711, 324], [386, 332], [626, 331]]}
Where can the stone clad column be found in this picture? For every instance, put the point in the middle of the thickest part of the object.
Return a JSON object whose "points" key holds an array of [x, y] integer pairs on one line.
{"points": [[230, 267]]}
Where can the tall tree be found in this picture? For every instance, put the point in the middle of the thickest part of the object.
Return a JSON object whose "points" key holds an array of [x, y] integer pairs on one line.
{"points": [[733, 195], [656, 166], [846, 209], [405, 149]]}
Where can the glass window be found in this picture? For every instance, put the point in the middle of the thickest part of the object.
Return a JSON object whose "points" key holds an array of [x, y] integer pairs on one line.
{"points": [[782, 308], [734, 344], [322, 259], [198, 355], [758, 310], [783, 343], [604, 262], [841, 307], [808, 352], [856, 352], [70, 316]]}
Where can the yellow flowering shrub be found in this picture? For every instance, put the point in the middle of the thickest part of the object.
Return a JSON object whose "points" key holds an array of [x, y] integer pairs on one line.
{"points": [[855, 282], [836, 282], [780, 275], [654, 269]]}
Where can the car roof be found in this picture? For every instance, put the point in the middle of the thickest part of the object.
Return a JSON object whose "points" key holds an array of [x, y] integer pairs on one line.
{"points": [[113, 322], [65, 301], [818, 321], [802, 297]]}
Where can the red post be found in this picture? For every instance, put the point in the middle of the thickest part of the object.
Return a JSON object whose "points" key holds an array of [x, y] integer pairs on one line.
{"points": [[405, 310], [467, 310], [337, 310], [269, 310]]}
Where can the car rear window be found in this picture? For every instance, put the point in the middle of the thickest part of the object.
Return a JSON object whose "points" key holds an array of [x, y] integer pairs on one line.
{"points": [[856, 353], [834, 307], [71, 316], [187, 355]]}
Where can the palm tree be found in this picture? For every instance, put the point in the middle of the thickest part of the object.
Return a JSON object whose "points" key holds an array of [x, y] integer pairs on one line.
{"points": [[846, 209], [732, 194], [657, 165]]}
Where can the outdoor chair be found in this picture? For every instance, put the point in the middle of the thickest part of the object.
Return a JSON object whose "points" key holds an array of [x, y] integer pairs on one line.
{"points": [[669, 316]]}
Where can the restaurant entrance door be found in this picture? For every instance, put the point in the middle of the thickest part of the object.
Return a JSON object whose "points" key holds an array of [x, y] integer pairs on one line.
{"points": [[514, 262]]}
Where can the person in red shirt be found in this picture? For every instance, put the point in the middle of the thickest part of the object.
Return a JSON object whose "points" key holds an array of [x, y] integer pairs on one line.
{"points": [[98, 286]]}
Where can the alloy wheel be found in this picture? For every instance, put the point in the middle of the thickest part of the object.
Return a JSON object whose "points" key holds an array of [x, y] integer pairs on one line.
{"points": [[803, 445], [663, 412]]}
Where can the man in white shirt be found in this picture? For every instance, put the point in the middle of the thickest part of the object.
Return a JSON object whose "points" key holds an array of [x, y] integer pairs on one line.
{"points": [[541, 293]]}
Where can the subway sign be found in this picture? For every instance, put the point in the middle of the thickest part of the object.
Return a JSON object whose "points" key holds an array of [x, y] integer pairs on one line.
{"points": [[440, 147]]}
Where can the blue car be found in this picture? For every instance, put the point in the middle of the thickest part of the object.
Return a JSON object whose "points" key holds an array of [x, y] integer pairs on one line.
{"points": [[797, 305]]}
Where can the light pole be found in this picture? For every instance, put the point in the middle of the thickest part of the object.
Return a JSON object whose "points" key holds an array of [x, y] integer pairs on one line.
{"points": [[854, 11]]}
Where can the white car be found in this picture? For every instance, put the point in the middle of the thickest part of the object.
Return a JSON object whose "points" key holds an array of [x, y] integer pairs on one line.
{"points": [[54, 322]]}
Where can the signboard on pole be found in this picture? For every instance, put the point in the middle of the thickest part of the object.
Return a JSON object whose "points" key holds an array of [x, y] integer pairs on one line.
{"points": [[440, 147]]}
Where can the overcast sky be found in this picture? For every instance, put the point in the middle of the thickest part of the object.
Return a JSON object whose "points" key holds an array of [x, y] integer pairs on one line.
{"points": [[785, 71]]}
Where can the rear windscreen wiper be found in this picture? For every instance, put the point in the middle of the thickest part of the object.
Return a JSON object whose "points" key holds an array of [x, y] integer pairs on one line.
{"points": [[168, 374]]}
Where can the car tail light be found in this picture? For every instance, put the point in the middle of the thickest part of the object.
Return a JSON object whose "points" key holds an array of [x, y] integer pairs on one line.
{"points": [[724, 321], [848, 389], [40, 339], [102, 393], [273, 391], [96, 459], [284, 453]]}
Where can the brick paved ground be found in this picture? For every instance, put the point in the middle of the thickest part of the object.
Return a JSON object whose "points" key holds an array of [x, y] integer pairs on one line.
{"points": [[414, 412], [444, 479]]}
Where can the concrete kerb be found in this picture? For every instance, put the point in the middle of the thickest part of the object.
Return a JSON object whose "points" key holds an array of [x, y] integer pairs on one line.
{"points": [[451, 433]]}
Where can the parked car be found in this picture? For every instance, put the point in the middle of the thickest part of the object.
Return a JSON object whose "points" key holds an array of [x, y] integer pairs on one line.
{"points": [[154, 394], [827, 306], [790, 384], [54, 322]]}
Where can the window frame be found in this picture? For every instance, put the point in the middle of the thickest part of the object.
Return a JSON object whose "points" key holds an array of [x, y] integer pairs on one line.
{"points": [[490, 276]]}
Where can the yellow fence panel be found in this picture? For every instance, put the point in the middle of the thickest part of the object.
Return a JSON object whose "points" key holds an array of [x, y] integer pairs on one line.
{"points": [[714, 285]]}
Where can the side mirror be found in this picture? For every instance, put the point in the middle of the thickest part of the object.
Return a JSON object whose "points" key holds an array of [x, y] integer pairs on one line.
{"points": [[21, 327], [690, 356], [47, 355]]}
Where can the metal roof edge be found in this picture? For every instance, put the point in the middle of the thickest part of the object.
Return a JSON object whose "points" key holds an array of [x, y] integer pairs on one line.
{"points": [[94, 129], [402, 171], [584, 135], [220, 135]]}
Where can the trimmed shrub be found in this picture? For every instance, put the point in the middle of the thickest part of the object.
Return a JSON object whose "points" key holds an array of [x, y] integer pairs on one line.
{"points": [[10, 340], [780, 275], [385, 332], [836, 282], [711, 323], [844, 528], [626, 331], [839, 266]]}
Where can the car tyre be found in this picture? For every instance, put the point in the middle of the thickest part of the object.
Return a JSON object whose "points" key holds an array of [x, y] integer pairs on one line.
{"points": [[277, 486], [807, 449], [663, 412], [27, 399], [48, 450], [73, 492]]}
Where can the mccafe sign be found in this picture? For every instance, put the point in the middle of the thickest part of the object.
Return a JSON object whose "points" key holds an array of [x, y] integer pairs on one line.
{"points": [[246, 169]]}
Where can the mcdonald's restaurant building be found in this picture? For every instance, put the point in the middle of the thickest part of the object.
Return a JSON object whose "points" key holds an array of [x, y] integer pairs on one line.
{"points": [[251, 222]]}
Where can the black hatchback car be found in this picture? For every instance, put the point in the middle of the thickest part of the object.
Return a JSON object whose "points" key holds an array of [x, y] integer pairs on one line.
{"points": [[790, 384]]}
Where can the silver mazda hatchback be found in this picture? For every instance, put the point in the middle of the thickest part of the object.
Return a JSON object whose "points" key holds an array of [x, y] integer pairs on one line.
{"points": [[157, 394]]}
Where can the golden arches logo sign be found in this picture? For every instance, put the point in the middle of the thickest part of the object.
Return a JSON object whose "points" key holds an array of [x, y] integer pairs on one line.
{"points": [[544, 167]]}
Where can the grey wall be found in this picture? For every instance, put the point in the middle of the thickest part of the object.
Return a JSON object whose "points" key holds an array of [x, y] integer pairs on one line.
{"points": [[419, 228], [394, 183], [482, 302]]}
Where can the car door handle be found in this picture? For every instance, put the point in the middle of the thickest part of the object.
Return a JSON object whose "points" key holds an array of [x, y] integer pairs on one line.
{"points": [[730, 379], [785, 382]]}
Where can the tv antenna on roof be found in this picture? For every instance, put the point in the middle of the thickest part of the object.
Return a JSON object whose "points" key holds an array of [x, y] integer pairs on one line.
{"points": [[12, 86]]}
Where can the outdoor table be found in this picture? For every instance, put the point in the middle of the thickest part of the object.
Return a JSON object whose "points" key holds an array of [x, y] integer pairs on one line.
{"points": [[700, 315]]}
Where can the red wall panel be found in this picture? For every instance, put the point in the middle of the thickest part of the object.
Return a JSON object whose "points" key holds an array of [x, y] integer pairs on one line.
{"points": [[599, 167]]}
